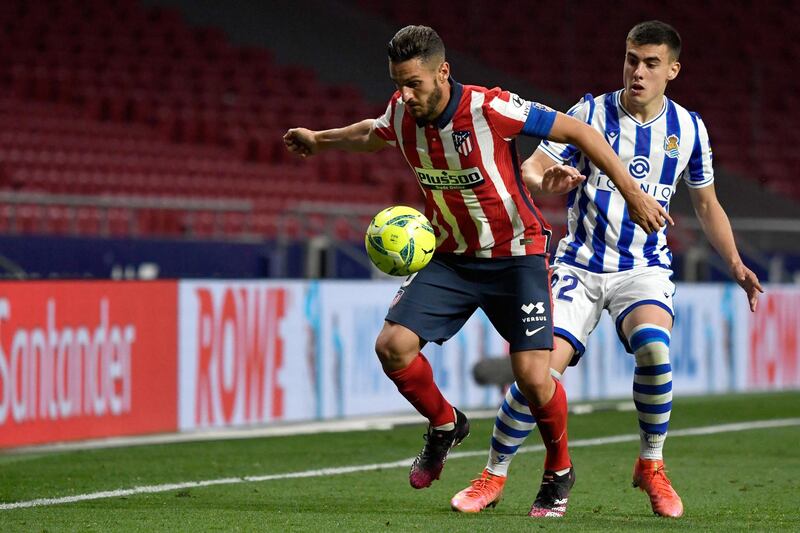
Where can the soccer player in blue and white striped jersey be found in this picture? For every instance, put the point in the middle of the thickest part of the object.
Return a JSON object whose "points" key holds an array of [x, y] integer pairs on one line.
{"points": [[606, 262]]}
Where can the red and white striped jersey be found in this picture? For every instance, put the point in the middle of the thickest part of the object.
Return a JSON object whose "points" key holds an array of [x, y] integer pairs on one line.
{"points": [[467, 166]]}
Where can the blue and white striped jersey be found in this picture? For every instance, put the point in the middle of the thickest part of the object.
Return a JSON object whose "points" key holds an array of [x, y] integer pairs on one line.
{"points": [[600, 235]]}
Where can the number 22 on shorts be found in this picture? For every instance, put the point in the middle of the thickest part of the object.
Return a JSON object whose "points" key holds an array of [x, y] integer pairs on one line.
{"points": [[570, 282]]}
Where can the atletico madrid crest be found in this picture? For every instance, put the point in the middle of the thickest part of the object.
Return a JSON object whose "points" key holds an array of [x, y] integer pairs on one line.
{"points": [[463, 142]]}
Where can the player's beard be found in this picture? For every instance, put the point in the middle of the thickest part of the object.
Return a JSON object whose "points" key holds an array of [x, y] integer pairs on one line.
{"points": [[433, 103]]}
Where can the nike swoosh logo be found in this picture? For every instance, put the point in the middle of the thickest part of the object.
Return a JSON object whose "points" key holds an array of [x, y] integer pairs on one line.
{"points": [[530, 333]]}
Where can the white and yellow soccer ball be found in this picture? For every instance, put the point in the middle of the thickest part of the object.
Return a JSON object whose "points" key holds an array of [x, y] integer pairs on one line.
{"points": [[400, 240]]}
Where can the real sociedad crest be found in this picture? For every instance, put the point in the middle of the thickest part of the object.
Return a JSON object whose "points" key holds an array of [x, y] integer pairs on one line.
{"points": [[462, 141], [672, 145]]}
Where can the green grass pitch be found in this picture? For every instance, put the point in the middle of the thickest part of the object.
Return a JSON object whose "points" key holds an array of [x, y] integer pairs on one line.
{"points": [[729, 481]]}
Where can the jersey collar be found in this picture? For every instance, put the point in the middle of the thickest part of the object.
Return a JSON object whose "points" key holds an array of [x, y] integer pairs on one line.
{"points": [[643, 124], [456, 90]]}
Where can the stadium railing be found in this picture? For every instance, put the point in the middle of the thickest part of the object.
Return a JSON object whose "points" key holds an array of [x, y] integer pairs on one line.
{"points": [[337, 229], [753, 236], [129, 203]]}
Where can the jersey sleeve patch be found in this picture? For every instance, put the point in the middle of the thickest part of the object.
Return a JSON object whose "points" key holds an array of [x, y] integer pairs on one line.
{"points": [[511, 115]]}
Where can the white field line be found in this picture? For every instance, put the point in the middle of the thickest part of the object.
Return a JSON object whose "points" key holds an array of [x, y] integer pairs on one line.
{"points": [[367, 423], [599, 441]]}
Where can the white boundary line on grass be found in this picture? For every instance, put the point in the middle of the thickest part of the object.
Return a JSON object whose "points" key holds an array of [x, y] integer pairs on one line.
{"points": [[599, 441], [282, 429]]}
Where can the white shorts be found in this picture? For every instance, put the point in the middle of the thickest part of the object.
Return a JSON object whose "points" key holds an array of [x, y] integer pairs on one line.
{"points": [[579, 297]]}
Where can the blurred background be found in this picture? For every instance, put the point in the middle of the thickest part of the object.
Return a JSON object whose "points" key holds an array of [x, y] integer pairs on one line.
{"points": [[142, 139]]}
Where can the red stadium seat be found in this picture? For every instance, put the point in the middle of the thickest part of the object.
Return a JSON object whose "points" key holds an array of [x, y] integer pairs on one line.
{"points": [[570, 62], [115, 98]]}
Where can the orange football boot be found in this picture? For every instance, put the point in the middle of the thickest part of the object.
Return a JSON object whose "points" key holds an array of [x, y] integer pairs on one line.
{"points": [[486, 491], [650, 476]]}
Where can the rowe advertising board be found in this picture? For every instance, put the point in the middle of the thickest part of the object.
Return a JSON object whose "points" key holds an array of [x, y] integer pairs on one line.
{"points": [[252, 353], [94, 359], [255, 353]]}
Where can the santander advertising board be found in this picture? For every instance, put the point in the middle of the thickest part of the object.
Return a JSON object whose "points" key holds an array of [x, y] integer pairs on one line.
{"points": [[86, 360]]}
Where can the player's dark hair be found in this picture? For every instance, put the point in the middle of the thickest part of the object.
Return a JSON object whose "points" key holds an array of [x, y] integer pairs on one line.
{"points": [[656, 32], [415, 42]]}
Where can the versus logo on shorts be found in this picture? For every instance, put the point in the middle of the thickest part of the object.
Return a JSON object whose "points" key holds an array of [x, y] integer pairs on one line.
{"points": [[440, 180], [538, 315], [537, 309]]}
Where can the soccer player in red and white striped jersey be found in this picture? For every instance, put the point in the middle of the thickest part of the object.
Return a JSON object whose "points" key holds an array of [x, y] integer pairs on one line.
{"points": [[466, 163], [492, 241]]}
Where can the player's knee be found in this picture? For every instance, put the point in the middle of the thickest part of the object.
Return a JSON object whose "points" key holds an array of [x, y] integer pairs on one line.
{"points": [[395, 350], [535, 382], [537, 390], [650, 345], [384, 346], [533, 378]]}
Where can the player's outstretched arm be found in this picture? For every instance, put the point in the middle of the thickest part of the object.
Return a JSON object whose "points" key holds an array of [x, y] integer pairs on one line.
{"points": [[717, 229], [643, 209], [358, 137], [544, 177]]}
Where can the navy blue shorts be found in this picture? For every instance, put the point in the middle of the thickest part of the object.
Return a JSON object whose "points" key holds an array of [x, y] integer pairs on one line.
{"points": [[514, 292]]}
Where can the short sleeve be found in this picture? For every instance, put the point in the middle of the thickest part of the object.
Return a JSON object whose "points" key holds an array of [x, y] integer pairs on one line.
{"points": [[383, 125], [510, 115], [699, 172], [562, 153]]}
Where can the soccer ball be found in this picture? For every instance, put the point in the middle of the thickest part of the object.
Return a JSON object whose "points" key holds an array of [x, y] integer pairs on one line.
{"points": [[400, 240]]}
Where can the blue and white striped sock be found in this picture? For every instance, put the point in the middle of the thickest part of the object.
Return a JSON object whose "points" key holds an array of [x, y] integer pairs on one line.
{"points": [[652, 387], [512, 426]]}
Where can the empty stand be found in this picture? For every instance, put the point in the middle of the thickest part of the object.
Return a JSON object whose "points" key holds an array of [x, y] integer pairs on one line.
{"points": [[737, 62], [109, 98]]}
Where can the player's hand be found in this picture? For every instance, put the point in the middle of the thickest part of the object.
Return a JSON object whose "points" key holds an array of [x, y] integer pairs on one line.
{"points": [[301, 141], [747, 280], [647, 213], [560, 179]]}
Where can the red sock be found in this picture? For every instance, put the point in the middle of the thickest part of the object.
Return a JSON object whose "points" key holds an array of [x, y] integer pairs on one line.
{"points": [[552, 421], [415, 382]]}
